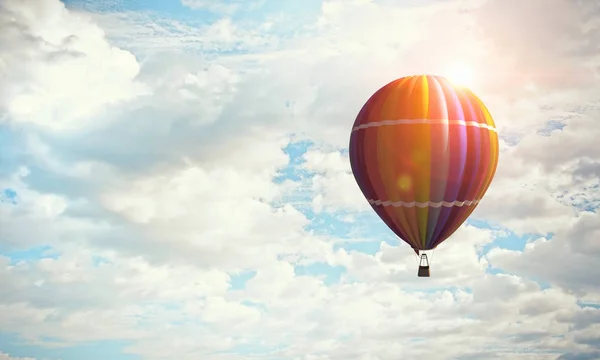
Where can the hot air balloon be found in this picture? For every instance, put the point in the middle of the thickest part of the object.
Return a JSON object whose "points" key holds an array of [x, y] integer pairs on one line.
{"points": [[423, 152]]}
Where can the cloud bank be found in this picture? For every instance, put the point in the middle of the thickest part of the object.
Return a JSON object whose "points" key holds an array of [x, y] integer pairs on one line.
{"points": [[175, 182]]}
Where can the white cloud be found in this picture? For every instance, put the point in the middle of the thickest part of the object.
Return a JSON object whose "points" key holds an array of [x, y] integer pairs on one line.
{"points": [[574, 247], [554, 51], [57, 68], [161, 193], [454, 263], [333, 184]]}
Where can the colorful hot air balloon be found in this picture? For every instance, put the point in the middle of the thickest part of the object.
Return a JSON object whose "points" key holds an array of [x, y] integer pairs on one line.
{"points": [[423, 153]]}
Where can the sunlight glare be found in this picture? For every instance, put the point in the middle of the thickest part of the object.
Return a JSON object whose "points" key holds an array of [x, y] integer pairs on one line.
{"points": [[461, 75]]}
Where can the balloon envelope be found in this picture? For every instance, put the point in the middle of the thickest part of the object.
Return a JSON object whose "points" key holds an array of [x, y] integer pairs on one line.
{"points": [[423, 153]]}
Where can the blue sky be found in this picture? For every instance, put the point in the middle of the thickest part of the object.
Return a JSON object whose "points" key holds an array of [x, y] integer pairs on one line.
{"points": [[176, 184]]}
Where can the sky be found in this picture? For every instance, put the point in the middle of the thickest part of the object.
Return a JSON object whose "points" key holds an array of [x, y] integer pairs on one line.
{"points": [[175, 182]]}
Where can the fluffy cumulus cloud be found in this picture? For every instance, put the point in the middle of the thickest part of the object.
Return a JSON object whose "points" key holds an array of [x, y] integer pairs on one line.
{"points": [[175, 182]]}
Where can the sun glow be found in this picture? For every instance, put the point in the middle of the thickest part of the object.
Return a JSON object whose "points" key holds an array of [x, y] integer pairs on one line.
{"points": [[461, 75]]}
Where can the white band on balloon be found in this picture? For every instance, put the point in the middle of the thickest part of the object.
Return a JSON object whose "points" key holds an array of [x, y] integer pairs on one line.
{"points": [[425, 121], [424, 204]]}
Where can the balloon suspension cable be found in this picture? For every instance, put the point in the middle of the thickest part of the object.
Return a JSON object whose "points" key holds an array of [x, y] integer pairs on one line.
{"points": [[417, 258], [431, 258]]}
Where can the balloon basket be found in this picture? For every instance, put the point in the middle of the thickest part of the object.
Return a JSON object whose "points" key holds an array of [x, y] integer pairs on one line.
{"points": [[423, 267]]}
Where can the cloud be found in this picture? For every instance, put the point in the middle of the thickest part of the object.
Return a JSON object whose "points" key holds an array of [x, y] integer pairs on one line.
{"points": [[574, 247], [333, 184], [183, 185], [579, 356], [5, 356], [555, 52], [224, 8], [62, 71]]}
